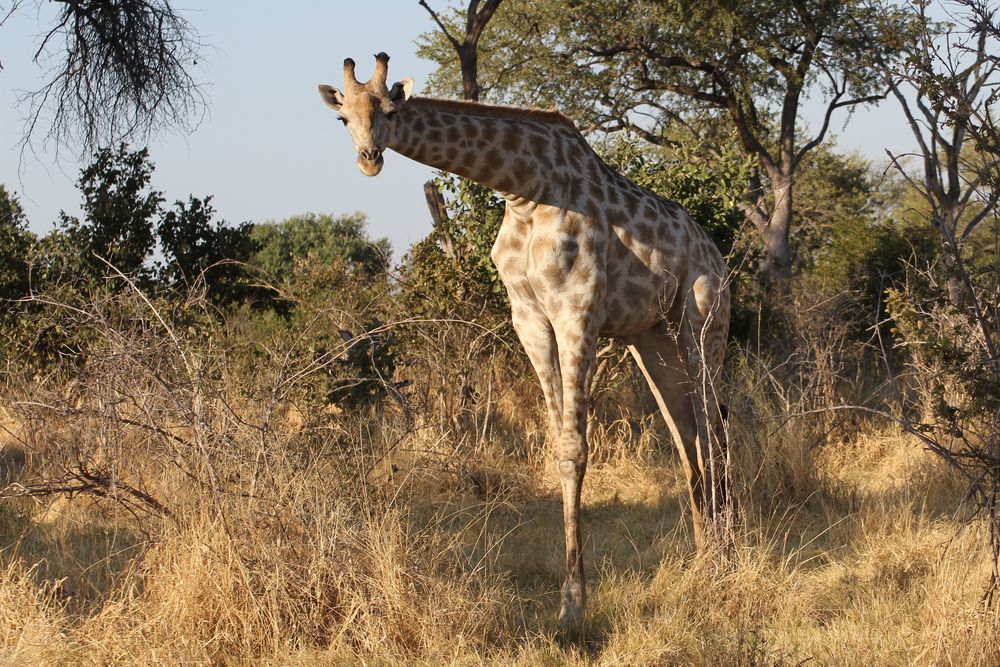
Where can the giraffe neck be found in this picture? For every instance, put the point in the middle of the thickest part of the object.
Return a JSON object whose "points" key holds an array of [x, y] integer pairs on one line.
{"points": [[515, 151]]}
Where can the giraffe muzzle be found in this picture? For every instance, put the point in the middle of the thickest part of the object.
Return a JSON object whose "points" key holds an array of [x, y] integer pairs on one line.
{"points": [[370, 161]]}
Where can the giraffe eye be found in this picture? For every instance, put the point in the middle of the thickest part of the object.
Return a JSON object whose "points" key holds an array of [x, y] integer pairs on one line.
{"points": [[342, 119]]}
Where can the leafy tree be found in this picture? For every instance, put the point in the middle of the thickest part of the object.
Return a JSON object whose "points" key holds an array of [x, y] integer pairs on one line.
{"points": [[838, 197], [947, 88], [123, 219], [342, 242], [18, 320], [324, 265], [119, 212], [858, 235], [450, 273], [665, 70], [15, 246], [332, 278], [477, 17], [197, 251]]}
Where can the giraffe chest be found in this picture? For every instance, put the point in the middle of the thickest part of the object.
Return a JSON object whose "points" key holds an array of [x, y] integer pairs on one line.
{"points": [[554, 260], [563, 264]]}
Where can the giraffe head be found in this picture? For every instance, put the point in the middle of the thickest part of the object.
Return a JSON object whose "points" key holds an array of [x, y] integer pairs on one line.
{"points": [[367, 109]]}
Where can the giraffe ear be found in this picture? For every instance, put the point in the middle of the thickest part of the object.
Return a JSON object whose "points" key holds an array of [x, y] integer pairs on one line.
{"points": [[333, 97], [401, 90]]}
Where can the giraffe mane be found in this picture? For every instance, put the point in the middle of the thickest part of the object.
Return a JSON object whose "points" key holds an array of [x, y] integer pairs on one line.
{"points": [[502, 112]]}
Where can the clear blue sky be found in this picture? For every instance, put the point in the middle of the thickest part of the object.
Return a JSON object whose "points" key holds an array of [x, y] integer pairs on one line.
{"points": [[268, 147]]}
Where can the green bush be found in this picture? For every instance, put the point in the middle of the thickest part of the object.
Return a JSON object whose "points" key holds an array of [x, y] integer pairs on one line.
{"points": [[117, 229], [199, 253], [15, 245], [450, 272]]}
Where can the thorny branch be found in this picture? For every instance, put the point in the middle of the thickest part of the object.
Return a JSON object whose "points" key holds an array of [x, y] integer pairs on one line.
{"points": [[117, 70], [81, 480]]}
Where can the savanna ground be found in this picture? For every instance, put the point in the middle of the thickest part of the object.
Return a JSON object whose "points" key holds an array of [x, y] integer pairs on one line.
{"points": [[201, 510]]}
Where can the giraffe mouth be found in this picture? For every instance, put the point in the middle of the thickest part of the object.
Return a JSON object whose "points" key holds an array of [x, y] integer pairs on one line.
{"points": [[370, 167]]}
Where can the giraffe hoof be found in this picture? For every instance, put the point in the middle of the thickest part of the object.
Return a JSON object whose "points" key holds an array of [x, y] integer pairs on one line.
{"points": [[570, 616], [572, 606]]}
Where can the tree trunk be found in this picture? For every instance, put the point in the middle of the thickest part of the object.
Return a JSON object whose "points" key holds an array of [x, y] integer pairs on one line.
{"points": [[950, 244], [468, 58], [774, 233]]}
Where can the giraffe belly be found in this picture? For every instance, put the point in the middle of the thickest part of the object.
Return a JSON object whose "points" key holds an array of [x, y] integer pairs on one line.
{"points": [[642, 287], [635, 306]]}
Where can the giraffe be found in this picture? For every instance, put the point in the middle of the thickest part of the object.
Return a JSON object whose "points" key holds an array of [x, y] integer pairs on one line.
{"points": [[583, 252]]}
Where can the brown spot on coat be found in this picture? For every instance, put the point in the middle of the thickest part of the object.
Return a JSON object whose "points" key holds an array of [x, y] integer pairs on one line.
{"points": [[560, 150], [614, 310], [489, 131], [470, 128], [644, 232], [511, 140], [631, 203], [542, 249], [614, 197], [575, 188], [521, 169], [570, 225], [552, 274], [594, 171]]}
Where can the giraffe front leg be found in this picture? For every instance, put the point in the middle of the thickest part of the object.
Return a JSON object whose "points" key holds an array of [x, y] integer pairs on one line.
{"points": [[538, 340], [577, 341]]}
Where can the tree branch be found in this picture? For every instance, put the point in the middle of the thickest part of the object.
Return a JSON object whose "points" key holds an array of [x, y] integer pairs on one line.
{"points": [[440, 24], [123, 72], [831, 107], [478, 20]]}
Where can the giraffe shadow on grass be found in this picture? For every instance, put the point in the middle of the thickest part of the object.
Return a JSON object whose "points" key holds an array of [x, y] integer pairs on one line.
{"points": [[630, 532], [639, 538]]}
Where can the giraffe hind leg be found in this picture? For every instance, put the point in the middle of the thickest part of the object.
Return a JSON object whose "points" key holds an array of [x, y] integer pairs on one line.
{"points": [[693, 415], [658, 356]]}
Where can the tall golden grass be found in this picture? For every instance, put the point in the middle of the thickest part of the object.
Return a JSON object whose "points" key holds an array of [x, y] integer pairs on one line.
{"points": [[229, 524]]}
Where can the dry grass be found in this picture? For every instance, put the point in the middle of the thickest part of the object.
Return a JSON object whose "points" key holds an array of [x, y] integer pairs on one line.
{"points": [[437, 566], [298, 538]]}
